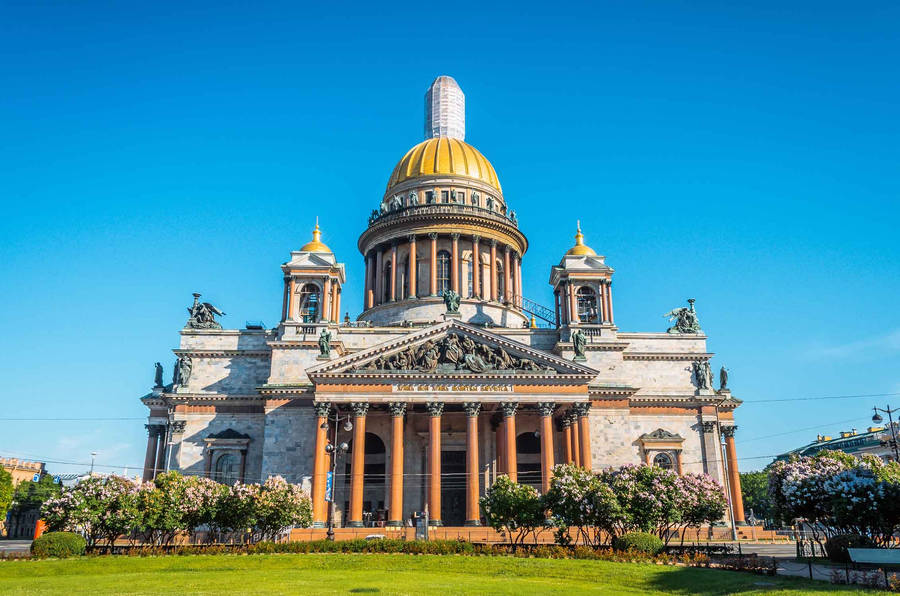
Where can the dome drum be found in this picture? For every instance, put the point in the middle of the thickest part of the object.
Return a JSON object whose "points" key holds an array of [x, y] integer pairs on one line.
{"points": [[431, 310]]}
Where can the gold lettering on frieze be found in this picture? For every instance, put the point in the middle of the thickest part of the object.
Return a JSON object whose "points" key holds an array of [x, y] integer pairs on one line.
{"points": [[442, 388]]}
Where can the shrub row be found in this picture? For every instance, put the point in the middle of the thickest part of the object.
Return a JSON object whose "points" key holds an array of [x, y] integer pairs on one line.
{"points": [[59, 544]]}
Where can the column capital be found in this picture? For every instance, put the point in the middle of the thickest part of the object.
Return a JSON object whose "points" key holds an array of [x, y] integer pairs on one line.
{"points": [[397, 409], [359, 408], [322, 408], [476, 238], [708, 426], [455, 235], [571, 416], [394, 244], [508, 249], [493, 242], [582, 409], [562, 423], [178, 426], [728, 431], [432, 235], [509, 408], [411, 238], [435, 408], [546, 408], [472, 408], [154, 430]]}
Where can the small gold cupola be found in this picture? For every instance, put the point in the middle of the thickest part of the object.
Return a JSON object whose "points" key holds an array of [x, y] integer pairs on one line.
{"points": [[316, 244], [580, 248]]}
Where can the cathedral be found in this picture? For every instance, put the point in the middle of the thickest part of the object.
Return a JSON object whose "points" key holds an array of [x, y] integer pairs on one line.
{"points": [[450, 376]]}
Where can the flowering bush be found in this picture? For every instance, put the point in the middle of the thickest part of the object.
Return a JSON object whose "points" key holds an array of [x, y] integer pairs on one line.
{"points": [[99, 508], [514, 508], [650, 498], [836, 493], [103, 509], [702, 500], [577, 499]]}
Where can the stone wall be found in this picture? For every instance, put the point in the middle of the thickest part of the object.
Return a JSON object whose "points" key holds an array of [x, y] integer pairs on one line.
{"points": [[189, 450]]}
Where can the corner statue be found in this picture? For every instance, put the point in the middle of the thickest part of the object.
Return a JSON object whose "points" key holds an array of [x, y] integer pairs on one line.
{"points": [[451, 301], [325, 344], [158, 377], [685, 319], [723, 379], [703, 374], [202, 315], [579, 341]]}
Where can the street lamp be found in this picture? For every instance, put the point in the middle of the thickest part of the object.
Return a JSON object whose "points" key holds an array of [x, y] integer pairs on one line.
{"points": [[334, 452], [877, 419], [93, 456]]}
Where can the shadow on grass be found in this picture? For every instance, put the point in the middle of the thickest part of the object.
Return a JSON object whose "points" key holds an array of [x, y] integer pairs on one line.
{"points": [[690, 580]]}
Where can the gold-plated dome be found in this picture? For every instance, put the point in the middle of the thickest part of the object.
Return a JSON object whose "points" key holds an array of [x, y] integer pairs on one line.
{"points": [[444, 156], [580, 248], [316, 244]]}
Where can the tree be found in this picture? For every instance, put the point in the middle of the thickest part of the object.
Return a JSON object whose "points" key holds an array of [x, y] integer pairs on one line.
{"points": [[237, 508], [163, 504], [649, 497], [516, 509], [702, 501], [280, 505], [32, 495], [577, 499], [6, 492], [99, 508], [755, 492]]}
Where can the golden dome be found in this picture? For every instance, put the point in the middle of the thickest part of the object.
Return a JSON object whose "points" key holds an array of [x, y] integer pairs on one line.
{"points": [[580, 248], [316, 244], [444, 156]]}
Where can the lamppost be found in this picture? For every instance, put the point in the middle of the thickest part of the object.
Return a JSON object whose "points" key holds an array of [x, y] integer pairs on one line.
{"points": [[893, 442], [334, 452], [93, 457]]}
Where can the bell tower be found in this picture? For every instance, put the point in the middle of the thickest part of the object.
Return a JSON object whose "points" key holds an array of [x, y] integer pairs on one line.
{"points": [[582, 287], [313, 281]]}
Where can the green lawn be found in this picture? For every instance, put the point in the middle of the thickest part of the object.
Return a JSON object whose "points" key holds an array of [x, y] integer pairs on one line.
{"points": [[378, 574]]}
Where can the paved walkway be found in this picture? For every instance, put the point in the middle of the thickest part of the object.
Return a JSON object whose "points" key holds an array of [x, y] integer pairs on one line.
{"points": [[15, 546]]}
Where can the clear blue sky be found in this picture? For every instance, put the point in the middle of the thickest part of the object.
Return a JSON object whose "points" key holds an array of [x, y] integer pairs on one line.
{"points": [[745, 157]]}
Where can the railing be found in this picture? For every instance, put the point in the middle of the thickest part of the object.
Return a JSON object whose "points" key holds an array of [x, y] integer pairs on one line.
{"points": [[538, 310], [439, 208]]}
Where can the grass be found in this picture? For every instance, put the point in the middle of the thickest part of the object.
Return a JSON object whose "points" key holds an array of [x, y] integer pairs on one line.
{"points": [[379, 574]]}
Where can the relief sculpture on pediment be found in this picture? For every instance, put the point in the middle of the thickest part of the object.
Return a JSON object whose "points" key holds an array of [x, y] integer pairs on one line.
{"points": [[453, 353]]}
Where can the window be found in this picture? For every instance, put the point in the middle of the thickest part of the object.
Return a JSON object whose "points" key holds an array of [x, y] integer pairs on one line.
{"points": [[445, 196], [228, 469], [429, 196], [663, 460], [501, 280], [402, 273], [443, 271], [469, 286], [587, 305], [461, 197], [386, 285], [309, 303]]}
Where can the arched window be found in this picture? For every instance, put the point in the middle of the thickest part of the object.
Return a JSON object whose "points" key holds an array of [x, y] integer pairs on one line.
{"points": [[663, 460], [469, 287], [501, 280], [228, 469], [402, 274], [386, 286], [587, 305], [309, 303], [443, 271]]}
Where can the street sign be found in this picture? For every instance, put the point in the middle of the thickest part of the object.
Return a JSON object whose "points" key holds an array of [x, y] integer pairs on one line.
{"points": [[57, 480], [36, 478], [329, 486]]}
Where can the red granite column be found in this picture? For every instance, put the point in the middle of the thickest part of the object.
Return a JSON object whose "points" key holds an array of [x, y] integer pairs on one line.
{"points": [[454, 264], [325, 305], [320, 465], [473, 517], [509, 432], [284, 301], [379, 276], [435, 409], [576, 436], [358, 463], [476, 267], [567, 438], [546, 410], [584, 427], [413, 287], [609, 301], [370, 285], [398, 410], [506, 276], [734, 476], [160, 465]]}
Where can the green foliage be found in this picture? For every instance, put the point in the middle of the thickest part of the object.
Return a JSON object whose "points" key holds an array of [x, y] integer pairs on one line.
{"points": [[836, 546], [6, 491], [578, 499], [755, 492], [279, 506], [59, 544], [32, 495], [515, 509], [642, 542]]}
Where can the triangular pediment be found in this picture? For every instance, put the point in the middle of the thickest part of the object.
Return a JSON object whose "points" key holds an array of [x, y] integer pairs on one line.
{"points": [[452, 348]]}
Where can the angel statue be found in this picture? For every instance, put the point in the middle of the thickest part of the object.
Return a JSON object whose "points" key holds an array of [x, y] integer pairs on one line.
{"points": [[451, 301], [685, 319], [202, 315], [413, 198]]}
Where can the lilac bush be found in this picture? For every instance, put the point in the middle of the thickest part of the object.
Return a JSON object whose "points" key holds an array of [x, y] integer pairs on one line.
{"points": [[516, 509], [100, 508], [280, 505], [577, 499]]}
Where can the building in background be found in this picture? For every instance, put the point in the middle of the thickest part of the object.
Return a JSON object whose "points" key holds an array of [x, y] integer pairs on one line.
{"points": [[450, 376], [873, 441], [22, 470]]}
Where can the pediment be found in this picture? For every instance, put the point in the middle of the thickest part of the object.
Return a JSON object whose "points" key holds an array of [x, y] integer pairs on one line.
{"points": [[661, 434], [452, 349]]}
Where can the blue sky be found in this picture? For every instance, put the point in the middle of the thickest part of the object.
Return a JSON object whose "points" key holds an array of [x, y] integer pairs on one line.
{"points": [[743, 156]]}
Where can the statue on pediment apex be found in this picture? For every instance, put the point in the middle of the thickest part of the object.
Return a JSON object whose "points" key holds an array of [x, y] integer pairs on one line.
{"points": [[685, 319], [202, 315]]}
